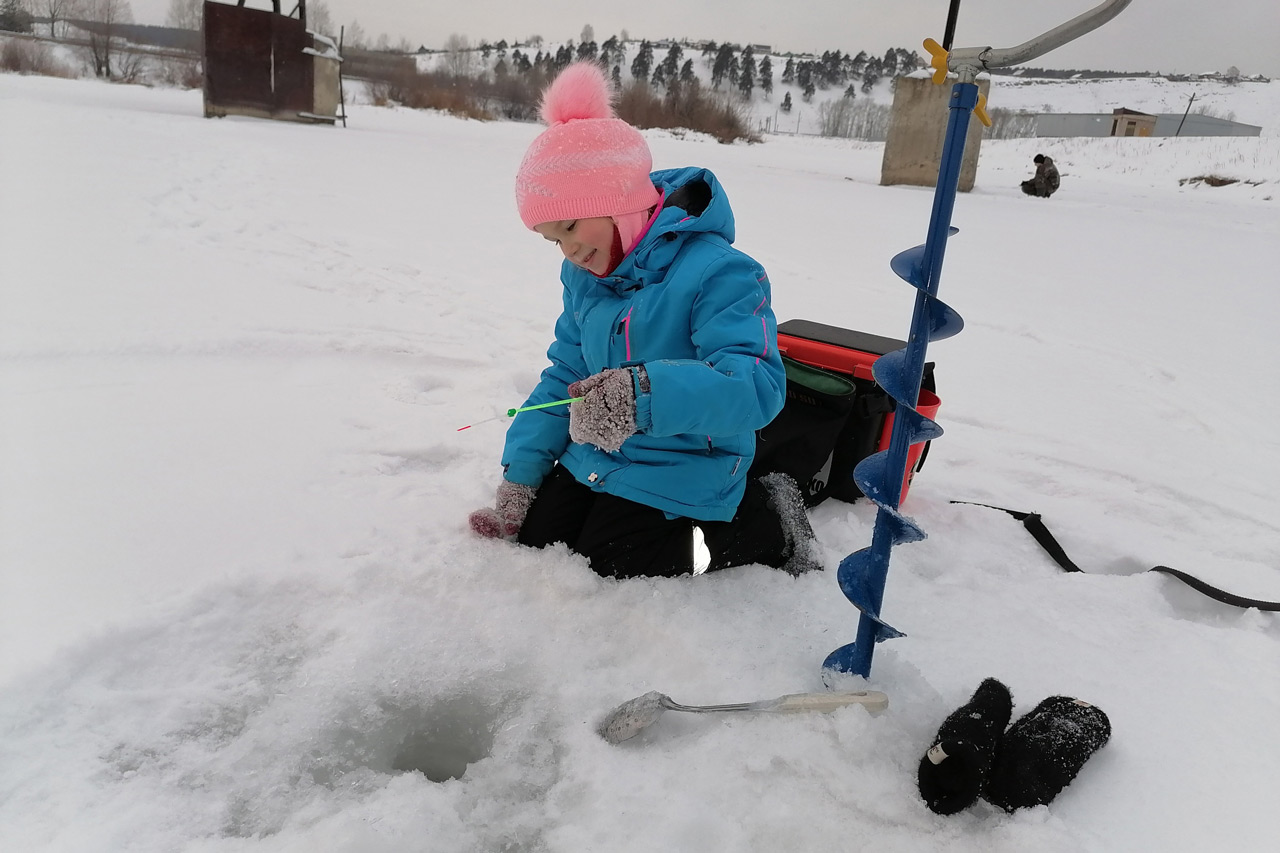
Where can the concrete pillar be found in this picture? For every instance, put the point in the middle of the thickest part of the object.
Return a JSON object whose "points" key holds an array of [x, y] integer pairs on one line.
{"points": [[917, 129]]}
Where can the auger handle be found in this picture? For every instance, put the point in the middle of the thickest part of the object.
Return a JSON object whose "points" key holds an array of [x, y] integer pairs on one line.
{"points": [[968, 61]]}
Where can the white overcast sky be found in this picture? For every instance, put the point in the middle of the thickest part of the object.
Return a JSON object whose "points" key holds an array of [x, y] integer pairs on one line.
{"points": [[1150, 35]]}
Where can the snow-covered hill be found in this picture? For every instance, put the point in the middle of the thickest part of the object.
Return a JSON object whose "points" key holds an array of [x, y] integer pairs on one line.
{"points": [[1248, 101]]}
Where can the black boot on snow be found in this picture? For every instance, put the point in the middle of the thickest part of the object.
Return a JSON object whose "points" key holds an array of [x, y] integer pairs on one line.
{"points": [[1044, 750], [800, 550], [955, 769]]}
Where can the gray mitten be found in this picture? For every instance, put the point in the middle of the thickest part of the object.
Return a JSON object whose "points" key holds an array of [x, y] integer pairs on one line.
{"points": [[503, 520], [606, 416]]}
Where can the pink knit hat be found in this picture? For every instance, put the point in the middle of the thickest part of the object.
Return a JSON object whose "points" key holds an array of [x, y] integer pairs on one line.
{"points": [[588, 162]]}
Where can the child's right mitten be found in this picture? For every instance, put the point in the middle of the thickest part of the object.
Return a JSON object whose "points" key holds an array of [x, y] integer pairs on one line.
{"points": [[955, 769], [1044, 750], [606, 414]]}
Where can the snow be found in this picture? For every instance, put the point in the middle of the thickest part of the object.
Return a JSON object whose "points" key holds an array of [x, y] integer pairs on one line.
{"points": [[240, 607]]}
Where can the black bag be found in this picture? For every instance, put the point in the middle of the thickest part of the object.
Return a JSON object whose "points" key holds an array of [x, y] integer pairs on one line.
{"points": [[801, 440], [831, 420]]}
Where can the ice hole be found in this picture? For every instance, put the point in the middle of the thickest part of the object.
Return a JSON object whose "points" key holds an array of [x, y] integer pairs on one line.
{"points": [[449, 737]]}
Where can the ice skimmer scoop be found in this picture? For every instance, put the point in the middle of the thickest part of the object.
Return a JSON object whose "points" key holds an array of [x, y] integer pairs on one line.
{"points": [[635, 715]]}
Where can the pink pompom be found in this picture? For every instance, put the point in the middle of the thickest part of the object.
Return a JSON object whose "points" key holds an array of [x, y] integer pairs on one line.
{"points": [[581, 91]]}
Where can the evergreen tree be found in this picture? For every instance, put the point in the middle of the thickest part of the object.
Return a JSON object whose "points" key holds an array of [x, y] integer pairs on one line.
{"points": [[747, 73], [616, 76], [889, 65], [587, 50], [871, 75], [687, 74], [859, 64], [643, 63], [14, 18], [671, 63], [908, 61], [804, 79], [720, 68], [766, 75], [789, 72], [786, 102], [610, 51]]}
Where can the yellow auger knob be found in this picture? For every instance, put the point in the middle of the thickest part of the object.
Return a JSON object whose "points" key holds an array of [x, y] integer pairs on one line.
{"points": [[981, 111], [939, 60]]}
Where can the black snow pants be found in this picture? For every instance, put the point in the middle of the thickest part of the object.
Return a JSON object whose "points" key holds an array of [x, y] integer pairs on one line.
{"points": [[624, 539]]}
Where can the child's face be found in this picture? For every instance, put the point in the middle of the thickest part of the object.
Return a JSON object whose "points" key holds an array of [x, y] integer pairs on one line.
{"points": [[585, 242]]}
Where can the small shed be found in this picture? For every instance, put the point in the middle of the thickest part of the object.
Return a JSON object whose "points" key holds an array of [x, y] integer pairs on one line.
{"points": [[269, 65], [1131, 123]]}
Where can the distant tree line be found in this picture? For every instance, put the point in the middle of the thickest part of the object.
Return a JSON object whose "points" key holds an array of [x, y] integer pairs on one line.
{"points": [[733, 67]]}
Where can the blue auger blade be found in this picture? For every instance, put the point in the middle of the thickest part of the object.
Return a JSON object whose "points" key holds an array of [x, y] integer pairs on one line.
{"points": [[869, 474], [843, 659], [944, 321], [891, 374], [919, 427], [909, 264], [854, 575]]}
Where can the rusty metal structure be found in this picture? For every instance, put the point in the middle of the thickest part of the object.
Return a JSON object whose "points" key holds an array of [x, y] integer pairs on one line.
{"points": [[267, 64]]}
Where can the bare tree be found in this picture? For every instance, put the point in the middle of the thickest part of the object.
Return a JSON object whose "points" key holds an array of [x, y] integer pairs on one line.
{"points": [[319, 20], [185, 14], [57, 10], [354, 37], [588, 34], [458, 56], [104, 38]]}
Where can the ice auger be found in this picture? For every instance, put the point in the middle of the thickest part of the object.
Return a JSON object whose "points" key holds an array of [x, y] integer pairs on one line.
{"points": [[862, 574]]}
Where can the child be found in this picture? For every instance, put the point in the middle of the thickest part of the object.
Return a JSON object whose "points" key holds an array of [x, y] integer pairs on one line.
{"points": [[668, 336]]}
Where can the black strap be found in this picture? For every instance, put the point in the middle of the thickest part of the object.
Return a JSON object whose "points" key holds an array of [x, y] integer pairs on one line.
{"points": [[1034, 525]]}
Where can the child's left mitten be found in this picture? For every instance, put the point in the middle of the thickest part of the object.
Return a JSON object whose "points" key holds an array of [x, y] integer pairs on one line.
{"points": [[606, 414]]}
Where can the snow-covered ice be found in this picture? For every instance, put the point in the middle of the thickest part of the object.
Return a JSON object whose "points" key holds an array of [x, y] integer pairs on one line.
{"points": [[240, 609]]}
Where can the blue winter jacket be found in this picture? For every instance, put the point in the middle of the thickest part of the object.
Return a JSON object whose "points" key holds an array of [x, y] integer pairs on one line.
{"points": [[696, 313]]}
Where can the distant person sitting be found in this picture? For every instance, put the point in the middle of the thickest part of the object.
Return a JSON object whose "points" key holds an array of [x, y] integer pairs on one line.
{"points": [[1045, 182]]}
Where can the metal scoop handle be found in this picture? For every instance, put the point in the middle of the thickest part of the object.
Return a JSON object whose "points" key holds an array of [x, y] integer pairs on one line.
{"points": [[872, 700]]}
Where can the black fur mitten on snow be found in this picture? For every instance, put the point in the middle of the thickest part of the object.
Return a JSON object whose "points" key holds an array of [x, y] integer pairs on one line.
{"points": [[955, 769], [1044, 750], [606, 416]]}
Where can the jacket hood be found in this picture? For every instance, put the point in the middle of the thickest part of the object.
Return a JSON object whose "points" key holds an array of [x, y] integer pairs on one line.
{"points": [[694, 203]]}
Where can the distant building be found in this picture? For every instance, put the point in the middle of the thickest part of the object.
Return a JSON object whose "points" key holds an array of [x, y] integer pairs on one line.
{"points": [[1126, 122]]}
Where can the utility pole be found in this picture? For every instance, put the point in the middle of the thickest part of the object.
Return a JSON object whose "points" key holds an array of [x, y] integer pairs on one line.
{"points": [[1184, 114]]}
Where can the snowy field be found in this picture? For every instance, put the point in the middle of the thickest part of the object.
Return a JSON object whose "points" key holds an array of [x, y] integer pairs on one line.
{"points": [[240, 609]]}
